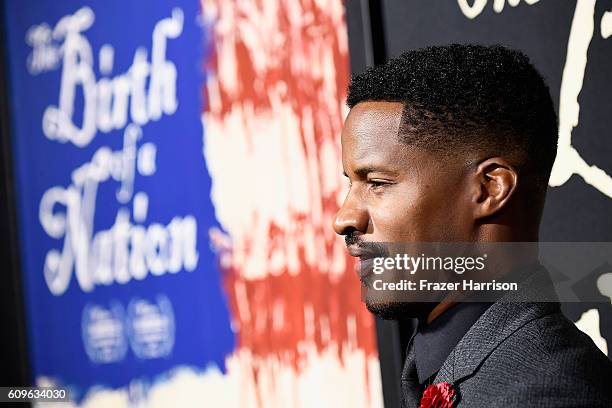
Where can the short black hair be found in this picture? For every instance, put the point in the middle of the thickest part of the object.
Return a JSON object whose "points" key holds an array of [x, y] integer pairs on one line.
{"points": [[460, 98]]}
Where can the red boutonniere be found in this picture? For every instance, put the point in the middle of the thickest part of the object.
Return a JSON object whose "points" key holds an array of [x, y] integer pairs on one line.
{"points": [[441, 395]]}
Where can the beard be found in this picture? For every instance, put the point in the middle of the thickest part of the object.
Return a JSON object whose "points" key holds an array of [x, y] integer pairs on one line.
{"points": [[383, 305], [389, 310], [388, 305]]}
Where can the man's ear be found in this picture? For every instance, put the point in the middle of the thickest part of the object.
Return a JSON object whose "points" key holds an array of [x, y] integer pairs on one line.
{"points": [[497, 181]]}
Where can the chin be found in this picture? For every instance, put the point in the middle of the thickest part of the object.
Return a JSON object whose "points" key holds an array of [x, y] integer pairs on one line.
{"points": [[387, 306], [399, 310], [386, 311]]}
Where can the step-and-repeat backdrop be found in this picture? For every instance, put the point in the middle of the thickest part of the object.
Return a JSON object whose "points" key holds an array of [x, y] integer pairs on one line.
{"points": [[177, 165]]}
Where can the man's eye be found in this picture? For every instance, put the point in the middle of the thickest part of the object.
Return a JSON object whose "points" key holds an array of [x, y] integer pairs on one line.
{"points": [[377, 184]]}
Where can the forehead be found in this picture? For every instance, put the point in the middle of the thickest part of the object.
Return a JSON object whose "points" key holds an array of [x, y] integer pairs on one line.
{"points": [[370, 133], [372, 120]]}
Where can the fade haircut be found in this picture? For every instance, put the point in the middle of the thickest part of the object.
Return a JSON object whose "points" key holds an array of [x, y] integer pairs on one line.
{"points": [[469, 98]]}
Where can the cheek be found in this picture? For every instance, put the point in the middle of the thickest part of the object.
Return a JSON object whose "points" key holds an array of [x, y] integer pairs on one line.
{"points": [[393, 223], [416, 215], [439, 215], [395, 215]]}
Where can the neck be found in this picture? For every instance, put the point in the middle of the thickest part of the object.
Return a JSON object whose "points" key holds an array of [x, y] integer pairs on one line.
{"points": [[508, 261]]}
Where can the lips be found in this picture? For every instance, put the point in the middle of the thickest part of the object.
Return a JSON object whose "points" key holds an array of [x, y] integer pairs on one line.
{"points": [[366, 254], [364, 251]]}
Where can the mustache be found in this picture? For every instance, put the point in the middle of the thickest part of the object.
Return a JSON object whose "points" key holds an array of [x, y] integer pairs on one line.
{"points": [[352, 239], [370, 249]]}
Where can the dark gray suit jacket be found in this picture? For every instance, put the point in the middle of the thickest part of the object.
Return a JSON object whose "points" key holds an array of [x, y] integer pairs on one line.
{"points": [[521, 353]]}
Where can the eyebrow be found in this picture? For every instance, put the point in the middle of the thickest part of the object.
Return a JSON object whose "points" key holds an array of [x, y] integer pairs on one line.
{"points": [[363, 171]]}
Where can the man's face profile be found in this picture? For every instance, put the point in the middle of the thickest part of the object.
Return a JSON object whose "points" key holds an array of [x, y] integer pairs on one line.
{"points": [[398, 192]]}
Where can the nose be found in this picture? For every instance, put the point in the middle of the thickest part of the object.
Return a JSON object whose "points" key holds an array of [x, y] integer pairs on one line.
{"points": [[349, 218]]}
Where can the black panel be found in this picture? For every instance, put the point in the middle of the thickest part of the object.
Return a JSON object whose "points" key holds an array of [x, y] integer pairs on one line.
{"points": [[13, 354]]}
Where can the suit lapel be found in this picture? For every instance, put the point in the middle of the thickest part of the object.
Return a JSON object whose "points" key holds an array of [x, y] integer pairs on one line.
{"points": [[497, 323]]}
